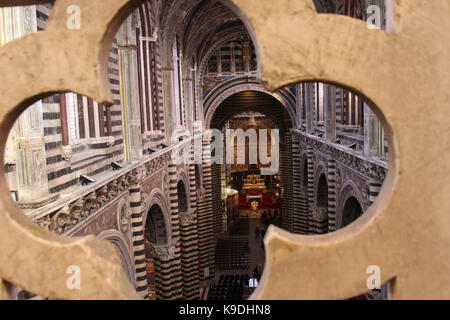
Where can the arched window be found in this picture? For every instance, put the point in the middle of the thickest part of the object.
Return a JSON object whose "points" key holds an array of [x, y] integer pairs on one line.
{"points": [[155, 226], [182, 199], [352, 211], [322, 192], [147, 71]]}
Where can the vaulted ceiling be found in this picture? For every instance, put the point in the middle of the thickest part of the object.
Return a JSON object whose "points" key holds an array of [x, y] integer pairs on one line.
{"points": [[198, 24]]}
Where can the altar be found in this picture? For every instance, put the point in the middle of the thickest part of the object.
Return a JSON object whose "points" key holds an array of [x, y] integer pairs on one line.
{"points": [[255, 198], [254, 184]]}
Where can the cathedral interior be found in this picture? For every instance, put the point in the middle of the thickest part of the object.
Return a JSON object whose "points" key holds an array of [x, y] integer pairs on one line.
{"points": [[182, 75]]}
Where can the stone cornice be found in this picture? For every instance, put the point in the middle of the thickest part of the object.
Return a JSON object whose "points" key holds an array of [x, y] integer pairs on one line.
{"points": [[151, 163], [369, 167]]}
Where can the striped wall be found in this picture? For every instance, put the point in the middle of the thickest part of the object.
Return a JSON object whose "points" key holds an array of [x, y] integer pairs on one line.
{"points": [[205, 221], [296, 177], [64, 174], [151, 64], [300, 196], [317, 220], [43, 12], [331, 195], [189, 242], [137, 229], [169, 283], [311, 222], [287, 212], [310, 154], [217, 198], [339, 92], [374, 189], [115, 109], [156, 69]]}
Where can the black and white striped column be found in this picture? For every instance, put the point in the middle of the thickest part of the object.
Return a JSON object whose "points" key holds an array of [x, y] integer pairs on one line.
{"points": [[189, 242], [304, 210], [205, 221], [331, 195], [297, 184], [286, 183], [217, 197], [137, 229], [162, 276], [303, 199], [375, 184], [167, 259], [339, 93], [310, 155], [175, 268]]}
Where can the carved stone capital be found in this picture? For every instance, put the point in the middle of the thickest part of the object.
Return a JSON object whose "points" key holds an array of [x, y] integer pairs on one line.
{"points": [[320, 214], [186, 217], [163, 252]]}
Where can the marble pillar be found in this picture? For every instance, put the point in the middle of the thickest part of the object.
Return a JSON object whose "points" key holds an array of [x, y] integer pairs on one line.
{"points": [[169, 116], [330, 112], [309, 94], [131, 117], [373, 135]]}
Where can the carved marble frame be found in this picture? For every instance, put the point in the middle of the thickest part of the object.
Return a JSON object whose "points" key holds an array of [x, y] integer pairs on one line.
{"points": [[379, 236]]}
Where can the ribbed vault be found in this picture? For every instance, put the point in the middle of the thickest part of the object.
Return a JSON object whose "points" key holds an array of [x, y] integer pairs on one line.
{"points": [[197, 25]]}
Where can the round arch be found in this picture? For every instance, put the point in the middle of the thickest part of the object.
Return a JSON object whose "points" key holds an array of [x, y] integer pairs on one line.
{"points": [[183, 205], [154, 232], [241, 84], [157, 198], [320, 171], [182, 176], [213, 48], [304, 171], [352, 211], [349, 190], [322, 192], [118, 241]]}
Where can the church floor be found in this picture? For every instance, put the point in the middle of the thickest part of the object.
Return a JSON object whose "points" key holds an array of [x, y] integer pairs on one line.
{"points": [[256, 252]]}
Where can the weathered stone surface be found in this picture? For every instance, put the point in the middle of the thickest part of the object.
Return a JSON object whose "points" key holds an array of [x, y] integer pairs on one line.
{"points": [[32, 258], [3, 291], [405, 74]]}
